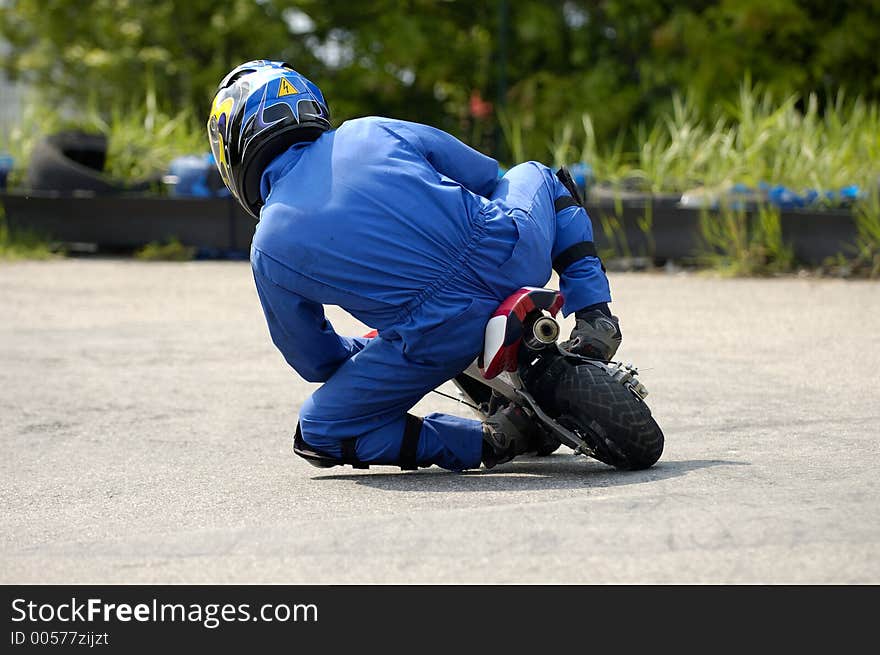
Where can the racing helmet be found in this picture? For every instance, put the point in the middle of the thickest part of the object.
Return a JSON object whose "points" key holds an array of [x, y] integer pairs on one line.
{"points": [[260, 109]]}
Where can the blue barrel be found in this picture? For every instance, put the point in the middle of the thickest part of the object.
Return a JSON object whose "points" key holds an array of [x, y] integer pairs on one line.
{"points": [[6, 162], [195, 176]]}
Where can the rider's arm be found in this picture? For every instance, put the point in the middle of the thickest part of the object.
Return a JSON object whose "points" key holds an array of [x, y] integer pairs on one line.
{"points": [[449, 156], [583, 281], [302, 333], [584, 285]]}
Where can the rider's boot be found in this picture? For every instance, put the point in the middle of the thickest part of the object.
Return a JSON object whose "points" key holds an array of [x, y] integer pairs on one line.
{"points": [[506, 434]]}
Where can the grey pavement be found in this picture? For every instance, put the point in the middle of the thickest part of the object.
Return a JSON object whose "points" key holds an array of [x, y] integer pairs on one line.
{"points": [[146, 424]]}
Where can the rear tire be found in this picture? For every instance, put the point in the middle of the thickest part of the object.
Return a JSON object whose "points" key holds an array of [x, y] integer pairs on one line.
{"points": [[615, 422]]}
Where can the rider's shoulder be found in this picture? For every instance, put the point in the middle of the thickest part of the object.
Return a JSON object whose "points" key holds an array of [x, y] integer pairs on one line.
{"points": [[364, 123], [386, 123]]}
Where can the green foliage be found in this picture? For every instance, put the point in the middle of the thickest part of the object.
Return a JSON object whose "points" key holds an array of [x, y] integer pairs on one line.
{"points": [[142, 138], [621, 61], [615, 235], [867, 258], [742, 243], [755, 139], [19, 244], [171, 250], [106, 50], [34, 124]]}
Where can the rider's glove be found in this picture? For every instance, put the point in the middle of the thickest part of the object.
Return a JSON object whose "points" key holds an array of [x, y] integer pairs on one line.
{"points": [[596, 333]]}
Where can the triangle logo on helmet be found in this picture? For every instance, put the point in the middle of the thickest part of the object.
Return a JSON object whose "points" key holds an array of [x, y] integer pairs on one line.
{"points": [[286, 88]]}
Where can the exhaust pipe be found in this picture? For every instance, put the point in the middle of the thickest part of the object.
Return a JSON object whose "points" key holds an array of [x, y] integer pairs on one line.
{"points": [[542, 332]]}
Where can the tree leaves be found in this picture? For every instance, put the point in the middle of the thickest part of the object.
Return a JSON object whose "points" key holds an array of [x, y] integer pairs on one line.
{"points": [[620, 60]]}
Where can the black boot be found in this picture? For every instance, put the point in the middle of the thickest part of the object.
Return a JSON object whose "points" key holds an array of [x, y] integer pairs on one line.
{"points": [[506, 434]]}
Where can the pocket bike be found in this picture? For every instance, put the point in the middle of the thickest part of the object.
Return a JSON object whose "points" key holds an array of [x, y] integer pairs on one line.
{"points": [[596, 408]]}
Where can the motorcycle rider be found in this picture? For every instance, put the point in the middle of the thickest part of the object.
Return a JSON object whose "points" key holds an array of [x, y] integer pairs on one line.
{"points": [[413, 233]]}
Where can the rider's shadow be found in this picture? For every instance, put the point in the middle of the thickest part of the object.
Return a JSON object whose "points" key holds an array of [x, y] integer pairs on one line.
{"points": [[558, 471]]}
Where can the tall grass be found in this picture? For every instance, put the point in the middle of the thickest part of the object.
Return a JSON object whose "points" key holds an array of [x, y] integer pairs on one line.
{"points": [[756, 139], [37, 120], [867, 215], [742, 243], [171, 250], [791, 141], [512, 129], [142, 138], [18, 244]]}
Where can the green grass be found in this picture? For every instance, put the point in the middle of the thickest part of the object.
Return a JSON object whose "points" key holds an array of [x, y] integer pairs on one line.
{"points": [[867, 257], [791, 141], [171, 250], [142, 139], [738, 243], [800, 143], [18, 245]]}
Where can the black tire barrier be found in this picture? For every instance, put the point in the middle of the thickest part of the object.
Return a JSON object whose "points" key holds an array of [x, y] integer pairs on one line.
{"points": [[71, 161]]}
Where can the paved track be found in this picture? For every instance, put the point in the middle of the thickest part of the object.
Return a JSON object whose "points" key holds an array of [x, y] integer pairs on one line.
{"points": [[146, 423]]}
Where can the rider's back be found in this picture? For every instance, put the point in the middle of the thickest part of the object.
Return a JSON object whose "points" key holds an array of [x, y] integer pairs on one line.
{"points": [[361, 218]]}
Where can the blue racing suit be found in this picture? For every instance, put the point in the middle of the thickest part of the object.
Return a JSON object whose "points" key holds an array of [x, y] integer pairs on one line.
{"points": [[413, 233]]}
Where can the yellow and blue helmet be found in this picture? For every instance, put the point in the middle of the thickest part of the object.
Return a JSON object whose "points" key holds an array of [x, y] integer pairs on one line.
{"points": [[260, 109]]}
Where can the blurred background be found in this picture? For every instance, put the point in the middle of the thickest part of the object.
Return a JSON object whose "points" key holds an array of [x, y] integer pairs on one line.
{"points": [[717, 103]]}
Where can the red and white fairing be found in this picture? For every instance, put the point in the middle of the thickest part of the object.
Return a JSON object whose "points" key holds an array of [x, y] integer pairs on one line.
{"points": [[504, 330]]}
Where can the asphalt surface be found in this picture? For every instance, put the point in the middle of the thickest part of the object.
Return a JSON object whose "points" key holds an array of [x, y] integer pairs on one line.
{"points": [[147, 420]]}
